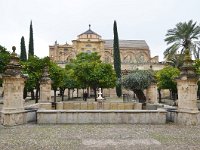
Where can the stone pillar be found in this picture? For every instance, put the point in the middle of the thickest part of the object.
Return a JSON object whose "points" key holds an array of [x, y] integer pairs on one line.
{"points": [[45, 86], [187, 93], [152, 94], [13, 108]]}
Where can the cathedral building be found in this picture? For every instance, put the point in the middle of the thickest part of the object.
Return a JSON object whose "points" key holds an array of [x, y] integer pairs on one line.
{"points": [[135, 54]]}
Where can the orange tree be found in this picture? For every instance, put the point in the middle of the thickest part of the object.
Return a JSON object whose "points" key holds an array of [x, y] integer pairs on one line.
{"points": [[91, 72]]}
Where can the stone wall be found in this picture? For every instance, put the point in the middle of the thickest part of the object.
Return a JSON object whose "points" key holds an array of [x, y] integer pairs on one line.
{"points": [[97, 106], [101, 116], [17, 118]]}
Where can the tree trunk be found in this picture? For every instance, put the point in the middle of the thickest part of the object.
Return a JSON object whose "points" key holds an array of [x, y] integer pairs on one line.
{"points": [[24, 93], [62, 93], [159, 95], [72, 93], [54, 96], [68, 94], [170, 94], [37, 95], [77, 92], [95, 93], [140, 95], [32, 94], [198, 94]]}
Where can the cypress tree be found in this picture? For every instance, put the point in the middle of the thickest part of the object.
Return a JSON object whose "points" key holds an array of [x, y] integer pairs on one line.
{"points": [[23, 56], [31, 45], [117, 60]]}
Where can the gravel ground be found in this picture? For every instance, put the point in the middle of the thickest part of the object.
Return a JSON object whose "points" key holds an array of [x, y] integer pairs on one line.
{"points": [[99, 137]]}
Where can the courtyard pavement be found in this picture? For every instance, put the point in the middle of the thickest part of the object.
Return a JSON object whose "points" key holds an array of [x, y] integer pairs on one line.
{"points": [[100, 137]]}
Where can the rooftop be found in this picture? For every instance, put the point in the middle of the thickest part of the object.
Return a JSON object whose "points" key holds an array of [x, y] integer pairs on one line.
{"points": [[141, 44], [89, 31]]}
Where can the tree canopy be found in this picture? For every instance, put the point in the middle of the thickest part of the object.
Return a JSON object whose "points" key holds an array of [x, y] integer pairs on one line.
{"points": [[137, 81], [181, 38], [34, 68], [91, 72], [23, 56], [4, 58], [31, 42], [117, 60], [166, 78]]}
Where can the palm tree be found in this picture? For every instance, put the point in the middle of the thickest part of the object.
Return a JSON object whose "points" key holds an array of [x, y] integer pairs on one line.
{"points": [[181, 38]]}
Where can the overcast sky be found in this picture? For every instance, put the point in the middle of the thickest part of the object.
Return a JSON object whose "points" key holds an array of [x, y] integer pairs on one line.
{"points": [[63, 20]]}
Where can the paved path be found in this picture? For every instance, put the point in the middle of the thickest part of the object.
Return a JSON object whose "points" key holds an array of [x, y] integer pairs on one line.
{"points": [[100, 137]]}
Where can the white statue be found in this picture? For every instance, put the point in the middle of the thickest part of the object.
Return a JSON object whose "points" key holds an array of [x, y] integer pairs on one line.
{"points": [[100, 98]]}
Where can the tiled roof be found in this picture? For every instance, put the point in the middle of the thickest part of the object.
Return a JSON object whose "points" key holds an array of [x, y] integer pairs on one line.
{"points": [[141, 44], [89, 32]]}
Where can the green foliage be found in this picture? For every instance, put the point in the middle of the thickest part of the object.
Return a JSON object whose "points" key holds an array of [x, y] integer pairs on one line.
{"points": [[4, 58], [90, 71], [182, 36], [57, 75], [31, 45], [23, 56], [166, 76], [34, 68], [138, 79], [117, 60], [197, 66], [176, 60]]}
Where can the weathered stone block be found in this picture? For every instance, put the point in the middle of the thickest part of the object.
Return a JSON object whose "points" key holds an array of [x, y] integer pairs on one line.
{"points": [[76, 106], [83, 106], [138, 106], [59, 105], [95, 105], [113, 106], [128, 106], [13, 118], [120, 106], [68, 106], [186, 118], [106, 106], [90, 106], [46, 106]]}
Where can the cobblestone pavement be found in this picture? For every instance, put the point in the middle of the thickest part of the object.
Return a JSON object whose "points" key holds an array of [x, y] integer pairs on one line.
{"points": [[100, 137]]}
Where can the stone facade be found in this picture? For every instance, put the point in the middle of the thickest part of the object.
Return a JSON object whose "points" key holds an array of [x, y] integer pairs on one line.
{"points": [[134, 53]]}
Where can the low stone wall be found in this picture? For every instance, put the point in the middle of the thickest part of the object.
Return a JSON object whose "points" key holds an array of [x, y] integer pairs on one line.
{"points": [[101, 116], [183, 118], [17, 118], [46, 106], [98, 106]]}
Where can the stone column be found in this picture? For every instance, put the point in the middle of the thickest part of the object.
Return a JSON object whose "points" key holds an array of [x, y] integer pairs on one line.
{"points": [[13, 108], [152, 94], [45, 86], [187, 93]]}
